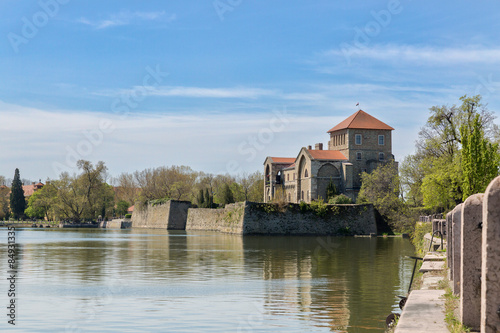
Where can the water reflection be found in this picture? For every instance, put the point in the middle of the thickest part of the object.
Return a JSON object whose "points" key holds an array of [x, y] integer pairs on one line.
{"points": [[154, 280]]}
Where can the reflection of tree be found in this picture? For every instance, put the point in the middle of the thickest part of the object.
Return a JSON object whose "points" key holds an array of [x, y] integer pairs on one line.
{"points": [[350, 283]]}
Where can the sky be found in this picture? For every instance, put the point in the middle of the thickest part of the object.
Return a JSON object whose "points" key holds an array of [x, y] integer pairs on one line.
{"points": [[218, 85]]}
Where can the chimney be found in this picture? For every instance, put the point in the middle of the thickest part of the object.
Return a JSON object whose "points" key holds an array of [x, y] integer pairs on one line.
{"points": [[318, 146], [309, 147]]}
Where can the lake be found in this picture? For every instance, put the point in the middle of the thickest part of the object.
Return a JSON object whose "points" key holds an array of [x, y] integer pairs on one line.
{"points": [[98, 280]]}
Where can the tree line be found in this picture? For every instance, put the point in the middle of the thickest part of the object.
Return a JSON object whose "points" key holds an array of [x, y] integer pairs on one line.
{"points": [[456, 155], [92, 193]]}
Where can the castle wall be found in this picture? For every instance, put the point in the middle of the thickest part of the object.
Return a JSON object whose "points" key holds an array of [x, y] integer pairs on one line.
{"points": [[250, 218], [171, 215]]}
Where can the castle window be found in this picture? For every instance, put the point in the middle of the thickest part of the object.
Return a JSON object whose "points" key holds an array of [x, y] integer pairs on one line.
{"points": [[308, 195], [302, 195], [294, 176], [357, 139], [306, 174], [289, 197], [381, 140], [288, 177], [358, 156], [381, 156]]}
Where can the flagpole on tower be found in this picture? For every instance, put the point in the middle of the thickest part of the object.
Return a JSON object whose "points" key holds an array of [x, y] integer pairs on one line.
{"points": [[357, 104]]}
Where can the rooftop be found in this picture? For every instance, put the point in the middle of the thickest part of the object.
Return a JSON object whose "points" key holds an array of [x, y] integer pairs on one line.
{"points": [[361, 120], [327, 155]]}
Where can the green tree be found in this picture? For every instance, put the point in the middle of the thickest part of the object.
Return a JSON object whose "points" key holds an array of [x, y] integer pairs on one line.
{"points": [[226, 196], [122, 207], [17, 200], [480, 159], [200, 199], [331, 191], [381, 188], [209, 199]]}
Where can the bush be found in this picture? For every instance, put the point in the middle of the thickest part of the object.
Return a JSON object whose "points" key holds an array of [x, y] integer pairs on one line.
{"points": [[319, 208], [128, 216], [340, 199]]}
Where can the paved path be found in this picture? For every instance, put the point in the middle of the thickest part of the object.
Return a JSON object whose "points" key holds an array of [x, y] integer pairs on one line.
{"points": [[423, 312]]}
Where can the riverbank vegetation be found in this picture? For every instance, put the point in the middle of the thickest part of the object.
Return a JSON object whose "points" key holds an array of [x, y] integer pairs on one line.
{"points": [[456, 155], [93, 194]]}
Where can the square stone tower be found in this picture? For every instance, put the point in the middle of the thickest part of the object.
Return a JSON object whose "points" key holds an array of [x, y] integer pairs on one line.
{"points": [[365, 141]]}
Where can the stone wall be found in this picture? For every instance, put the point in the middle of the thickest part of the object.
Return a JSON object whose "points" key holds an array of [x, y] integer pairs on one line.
{"points": [[171, 215], [250, 218], [228, 220], [475, 258]]}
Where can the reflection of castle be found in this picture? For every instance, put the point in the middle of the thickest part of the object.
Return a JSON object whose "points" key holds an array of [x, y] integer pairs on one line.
{"points": [[358, 144]]}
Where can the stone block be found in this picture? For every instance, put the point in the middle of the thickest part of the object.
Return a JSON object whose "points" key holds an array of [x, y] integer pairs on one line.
{"points": [[457, 240], [449, 241], [490, 272], [470, 261]]}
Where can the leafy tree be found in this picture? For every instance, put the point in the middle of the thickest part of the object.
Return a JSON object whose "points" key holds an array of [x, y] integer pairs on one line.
{"points": [[226, 195], [480, 159], [340, 199], [4, 202], [209, 199], [17, 200], [442, 185], [381, 188], [331, 190], [201, 199], [122, 207]]}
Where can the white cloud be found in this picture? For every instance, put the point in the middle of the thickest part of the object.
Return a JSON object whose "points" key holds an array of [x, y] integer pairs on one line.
{"points": [[126, 18], [425, 54]]}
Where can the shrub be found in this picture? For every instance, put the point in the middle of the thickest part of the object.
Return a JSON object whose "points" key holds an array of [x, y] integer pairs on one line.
{"points": [[319, 208], [128, 216], [340, 199]]}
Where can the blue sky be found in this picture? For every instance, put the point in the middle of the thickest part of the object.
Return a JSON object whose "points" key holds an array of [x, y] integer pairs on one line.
{"points": [[219, 85]]}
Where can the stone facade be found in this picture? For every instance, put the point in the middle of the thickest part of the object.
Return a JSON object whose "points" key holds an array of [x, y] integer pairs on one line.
{"points": [[361, 143], [267, 219], [172, 215]]}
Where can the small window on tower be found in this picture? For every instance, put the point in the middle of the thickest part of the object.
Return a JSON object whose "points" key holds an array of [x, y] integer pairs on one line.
{"points": [[358, 156], [381, 156], [306, 174], [381, 140], [357, 139]]}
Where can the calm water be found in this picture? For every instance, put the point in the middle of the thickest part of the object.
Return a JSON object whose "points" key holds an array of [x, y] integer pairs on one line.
{"points": [[159, 281]]}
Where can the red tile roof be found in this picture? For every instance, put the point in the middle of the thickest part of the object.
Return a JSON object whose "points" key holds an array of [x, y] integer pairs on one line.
{"points": [[131, 209], [361, 120], [283, 160], [327, 155]]}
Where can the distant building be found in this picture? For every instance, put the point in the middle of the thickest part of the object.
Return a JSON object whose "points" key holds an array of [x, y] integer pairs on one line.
{"points": [[358, 144], [30, 189]]}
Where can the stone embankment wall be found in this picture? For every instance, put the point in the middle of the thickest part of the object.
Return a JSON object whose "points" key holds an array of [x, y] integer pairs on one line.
{"points": [[473, 236], [171, 215], [250, 218]]}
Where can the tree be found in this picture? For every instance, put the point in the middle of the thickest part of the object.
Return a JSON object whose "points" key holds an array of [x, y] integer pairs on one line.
{"points": [[226, 195], [381, 188], [480, 159], [4, 202], [122, 207], [17, 200], [200, 199], [331, 191], [209, 199]]}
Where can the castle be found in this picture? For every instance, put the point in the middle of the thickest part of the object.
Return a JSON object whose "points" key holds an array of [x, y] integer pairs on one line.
{"points": [[358, 144]]}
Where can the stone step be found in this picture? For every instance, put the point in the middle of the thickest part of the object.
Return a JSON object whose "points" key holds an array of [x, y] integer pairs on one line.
{"points": [[431, 282], [435, 256], [423, 312], [432, 266]]}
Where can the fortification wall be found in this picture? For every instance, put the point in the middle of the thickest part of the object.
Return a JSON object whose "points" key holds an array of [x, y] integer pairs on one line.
{"points": [[250, 218], [171, 215], [228, 220]]}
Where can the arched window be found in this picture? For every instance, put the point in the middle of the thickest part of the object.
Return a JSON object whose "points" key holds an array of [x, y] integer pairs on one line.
{"points": [[381, 156], [289, 197], [302, 195], [288, 177], [306, 174]]}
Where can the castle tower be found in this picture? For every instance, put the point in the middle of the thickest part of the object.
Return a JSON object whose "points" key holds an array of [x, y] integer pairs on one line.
{"points": [[365, 141]]}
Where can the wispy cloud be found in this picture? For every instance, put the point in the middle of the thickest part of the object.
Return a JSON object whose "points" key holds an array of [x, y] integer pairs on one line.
{"points": [[423, 55], [194, 92], [126, 18]]}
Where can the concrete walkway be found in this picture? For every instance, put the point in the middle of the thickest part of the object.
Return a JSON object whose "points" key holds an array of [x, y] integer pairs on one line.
{"points": [[423, 312]]}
